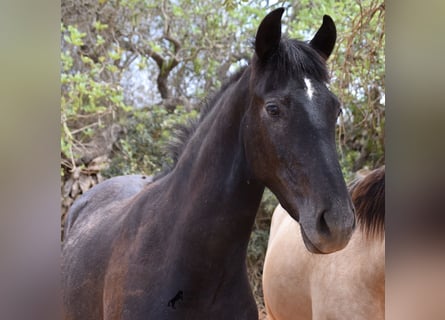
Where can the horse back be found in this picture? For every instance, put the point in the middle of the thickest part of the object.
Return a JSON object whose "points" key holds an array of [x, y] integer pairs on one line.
{"points": [[109, 191]]}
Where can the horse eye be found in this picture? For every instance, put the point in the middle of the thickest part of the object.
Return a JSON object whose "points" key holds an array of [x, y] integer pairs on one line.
{"points": [[273, 110]]}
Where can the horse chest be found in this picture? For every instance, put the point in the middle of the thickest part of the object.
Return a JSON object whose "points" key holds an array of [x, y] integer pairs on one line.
{"points": [[167, 284], [172, 300]]}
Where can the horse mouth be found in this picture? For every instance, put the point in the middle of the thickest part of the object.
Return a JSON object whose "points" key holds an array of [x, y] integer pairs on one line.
{"points": [[308, 243]]}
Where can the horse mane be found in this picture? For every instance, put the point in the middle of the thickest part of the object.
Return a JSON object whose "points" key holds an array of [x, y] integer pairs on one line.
{"points": [[368, 195], [183, 132], [292, 57]]}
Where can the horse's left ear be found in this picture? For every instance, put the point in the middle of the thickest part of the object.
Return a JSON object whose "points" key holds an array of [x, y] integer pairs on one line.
{"points": [[324, 39], [269, 34]]}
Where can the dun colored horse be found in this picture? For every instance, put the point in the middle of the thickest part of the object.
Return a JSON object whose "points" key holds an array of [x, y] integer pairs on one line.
{"points": [[175, 248], [348, 284]]}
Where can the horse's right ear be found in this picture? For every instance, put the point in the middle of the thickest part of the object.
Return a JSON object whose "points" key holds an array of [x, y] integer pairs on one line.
{"points": [[269, 34]]}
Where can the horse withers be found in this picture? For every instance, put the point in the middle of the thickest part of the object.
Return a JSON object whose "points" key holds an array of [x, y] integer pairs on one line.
{"points": [[175, 248], [348, 284]]}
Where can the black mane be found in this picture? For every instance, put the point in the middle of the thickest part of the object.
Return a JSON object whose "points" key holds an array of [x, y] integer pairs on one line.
{"points": [[183, 132], [368, 196]]}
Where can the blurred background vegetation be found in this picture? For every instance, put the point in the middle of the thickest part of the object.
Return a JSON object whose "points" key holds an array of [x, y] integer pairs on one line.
{"points": [[133, 69]]}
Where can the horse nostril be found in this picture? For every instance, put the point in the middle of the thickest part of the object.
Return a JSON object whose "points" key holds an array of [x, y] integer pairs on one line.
{"points": [[322, 224]]}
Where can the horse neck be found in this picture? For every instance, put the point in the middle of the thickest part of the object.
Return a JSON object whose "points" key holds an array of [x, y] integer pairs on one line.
{"points": [[211, 179], [368, 254]]}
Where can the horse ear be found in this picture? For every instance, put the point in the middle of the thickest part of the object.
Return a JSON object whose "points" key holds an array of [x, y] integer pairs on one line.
{"points": [[269, 34], [324, 39]]}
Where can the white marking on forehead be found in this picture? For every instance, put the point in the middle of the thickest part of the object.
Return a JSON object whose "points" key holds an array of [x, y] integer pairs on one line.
{"points": [[309, 88]]}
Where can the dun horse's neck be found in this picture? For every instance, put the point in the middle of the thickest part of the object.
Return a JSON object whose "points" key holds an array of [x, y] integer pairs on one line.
{"points": [[212, 177]]}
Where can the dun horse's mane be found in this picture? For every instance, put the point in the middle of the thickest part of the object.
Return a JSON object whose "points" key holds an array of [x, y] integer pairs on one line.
{"points": [[368, 196], [292, 57]]}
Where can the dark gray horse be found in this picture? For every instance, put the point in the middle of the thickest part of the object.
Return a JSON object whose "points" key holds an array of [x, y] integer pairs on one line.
{"points": [[176, 248]]}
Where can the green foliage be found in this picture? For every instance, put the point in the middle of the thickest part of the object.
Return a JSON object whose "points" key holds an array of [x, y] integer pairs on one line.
{"points": [[87, 103], [260, 236], [73, 36], [142, 149]]}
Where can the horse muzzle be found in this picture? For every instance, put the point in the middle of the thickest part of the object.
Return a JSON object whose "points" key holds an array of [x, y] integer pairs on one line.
{"points": [[329, 231]]}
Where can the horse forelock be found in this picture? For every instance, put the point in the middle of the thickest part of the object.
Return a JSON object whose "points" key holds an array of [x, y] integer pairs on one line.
{"points": [[368, 196], [296, 58]]}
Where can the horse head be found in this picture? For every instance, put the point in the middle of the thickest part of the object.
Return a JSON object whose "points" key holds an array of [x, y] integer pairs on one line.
{"points": [[289, 132]]}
